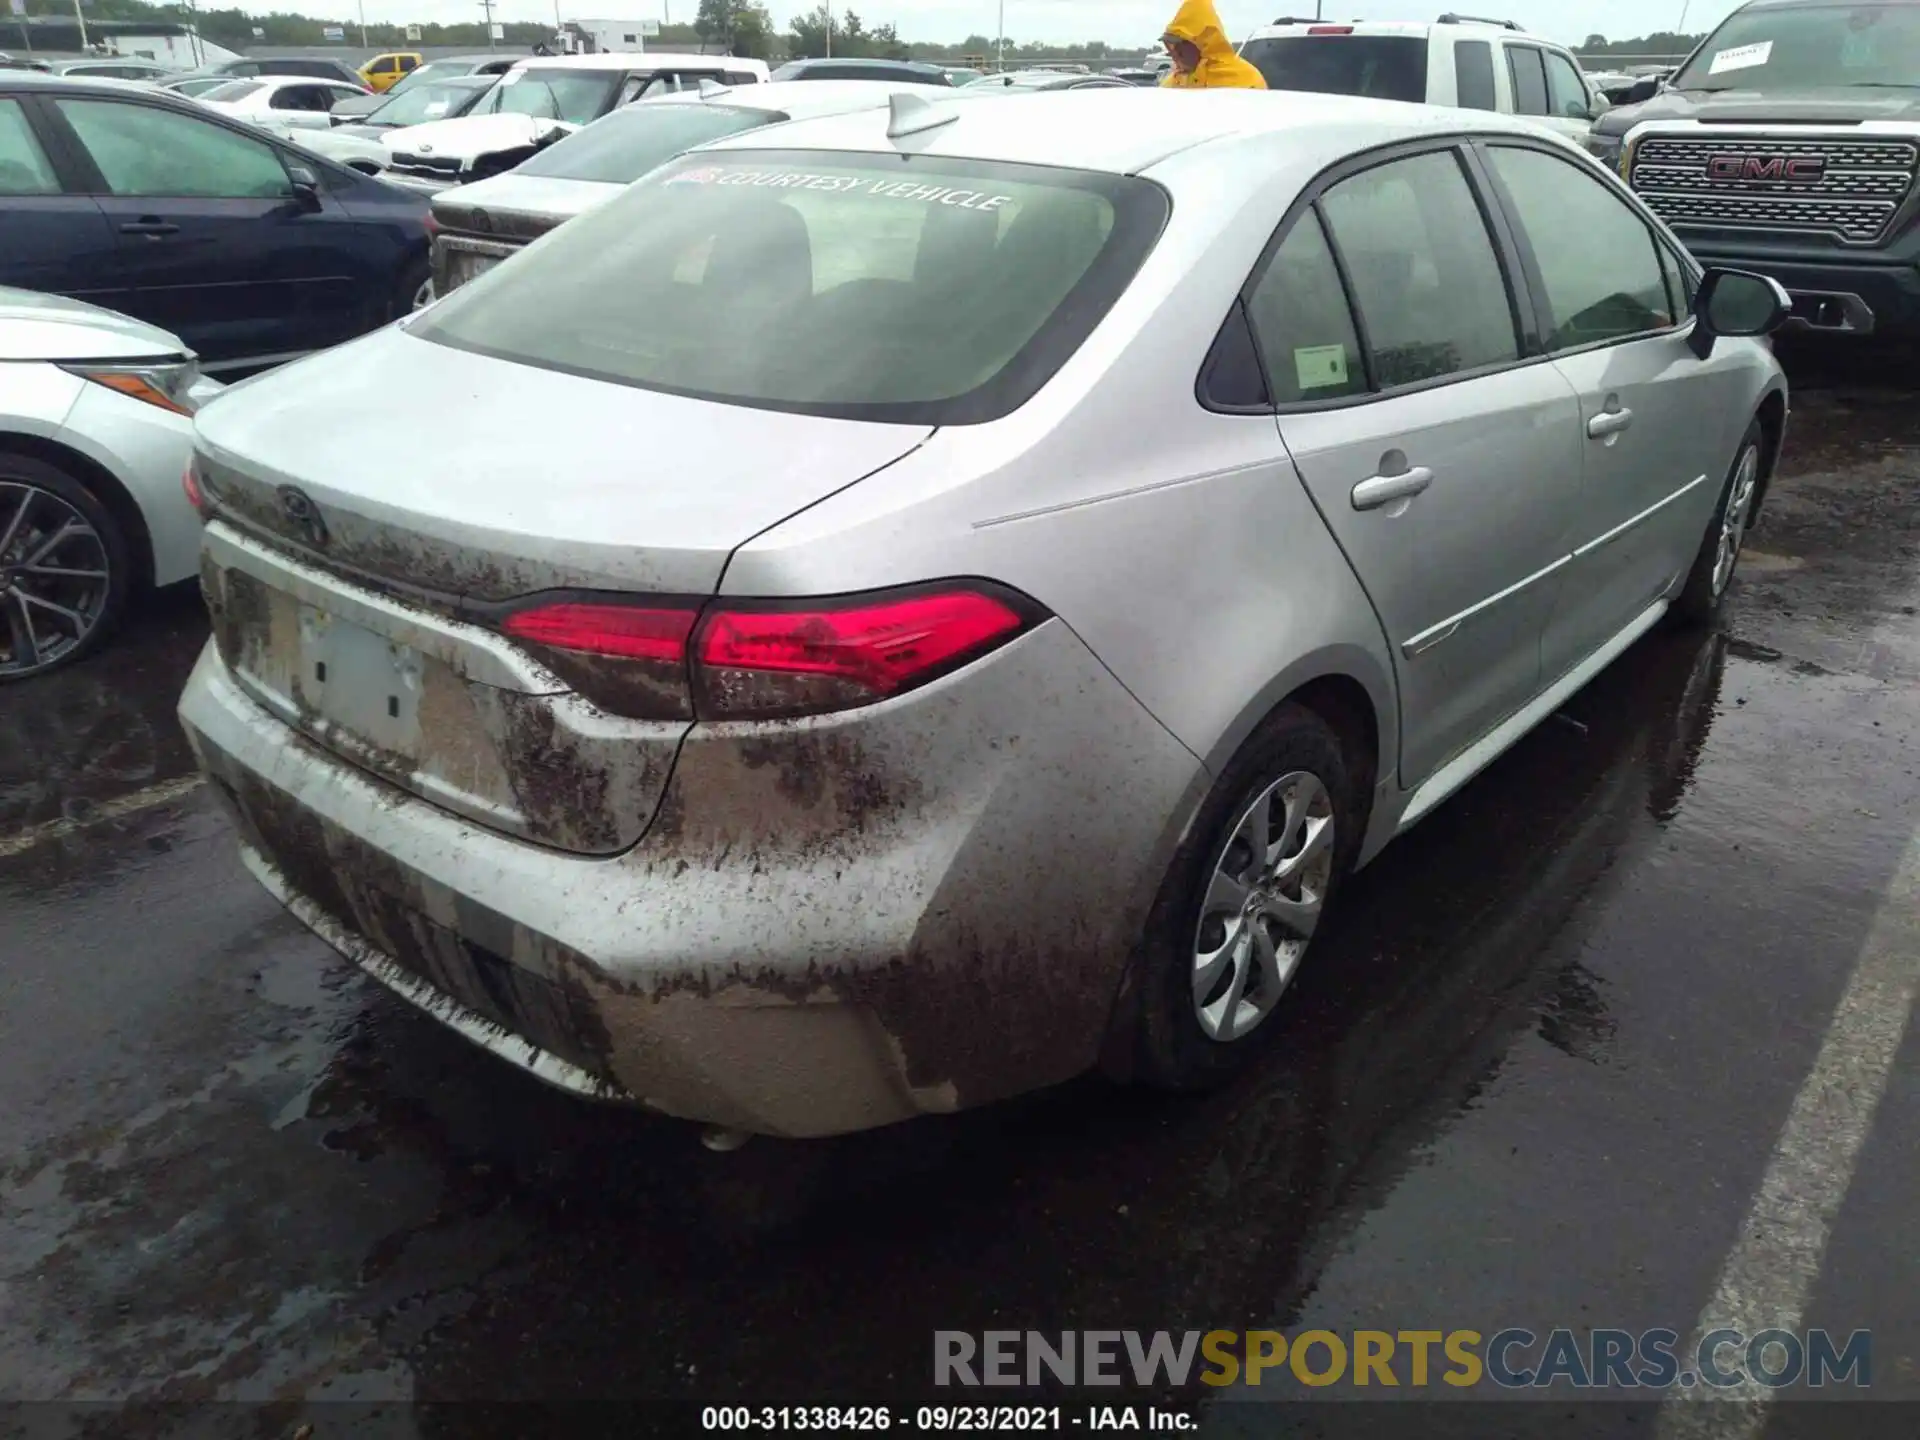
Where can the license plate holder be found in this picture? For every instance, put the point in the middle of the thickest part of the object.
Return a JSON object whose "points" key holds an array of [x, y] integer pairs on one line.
{"points": [[363, 683], [469, 265]]}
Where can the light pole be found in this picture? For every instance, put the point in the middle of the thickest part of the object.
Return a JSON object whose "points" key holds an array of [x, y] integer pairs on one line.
{"points": [[1000, 40], [1685, 6], [363, 24]]}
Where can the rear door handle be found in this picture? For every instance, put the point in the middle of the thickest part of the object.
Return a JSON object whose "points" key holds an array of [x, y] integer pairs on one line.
{"points": [[151, 227], [1609, 422], [1385, 489]]}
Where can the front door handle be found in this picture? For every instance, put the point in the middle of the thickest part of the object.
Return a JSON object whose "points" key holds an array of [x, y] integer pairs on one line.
{"points": [[152, 227], [1385, 489], [1609, 422]]}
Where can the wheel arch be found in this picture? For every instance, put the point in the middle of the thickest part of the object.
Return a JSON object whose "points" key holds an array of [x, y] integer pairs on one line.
{"points": [[1772, 416], [1349, 688], [104, 483]]}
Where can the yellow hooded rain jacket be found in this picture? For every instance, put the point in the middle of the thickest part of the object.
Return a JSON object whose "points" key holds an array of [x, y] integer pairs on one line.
{"points": [[1219, 67]]}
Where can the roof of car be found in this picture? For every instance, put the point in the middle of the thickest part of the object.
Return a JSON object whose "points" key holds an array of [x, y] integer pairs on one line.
{"points": [[635, 60], [1397, 27], [1126, 129], [861, 62], [17, 80], [803, 99]]}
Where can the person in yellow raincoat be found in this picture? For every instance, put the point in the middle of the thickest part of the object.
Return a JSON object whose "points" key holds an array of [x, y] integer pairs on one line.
{"points": [[1202, 56]]}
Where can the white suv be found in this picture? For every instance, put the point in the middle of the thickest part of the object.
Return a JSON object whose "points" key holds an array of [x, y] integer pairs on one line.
{"points": [[1458, 60]]}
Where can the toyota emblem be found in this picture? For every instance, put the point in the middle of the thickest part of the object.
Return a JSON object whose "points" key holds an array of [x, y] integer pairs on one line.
{"points": [[303, 516]]}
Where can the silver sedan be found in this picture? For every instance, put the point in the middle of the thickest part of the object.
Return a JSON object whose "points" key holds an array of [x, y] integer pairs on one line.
{"points": [[95, 429], [904, 608]]}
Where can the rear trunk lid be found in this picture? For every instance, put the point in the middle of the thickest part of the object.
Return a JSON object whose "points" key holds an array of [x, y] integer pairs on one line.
{"points": [[377, 505]]}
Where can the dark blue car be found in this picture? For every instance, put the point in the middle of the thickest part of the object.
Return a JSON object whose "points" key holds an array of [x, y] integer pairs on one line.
{"points": [[249, 250]]}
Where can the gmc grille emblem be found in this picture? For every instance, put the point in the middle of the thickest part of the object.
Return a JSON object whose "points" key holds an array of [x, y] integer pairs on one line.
{"points": [[1804, 169]]}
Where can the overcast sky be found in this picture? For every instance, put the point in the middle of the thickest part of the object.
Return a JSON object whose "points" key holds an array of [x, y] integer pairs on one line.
{"points": [[1116, 21]]}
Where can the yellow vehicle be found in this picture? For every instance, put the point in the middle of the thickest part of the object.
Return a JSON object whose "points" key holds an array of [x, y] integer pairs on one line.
{"points": [[383, 72]]}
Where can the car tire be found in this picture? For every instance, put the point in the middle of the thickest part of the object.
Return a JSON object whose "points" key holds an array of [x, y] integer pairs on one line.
{"points": [[414, 290], [1707, 582], [38, 501], [1220, 953]]}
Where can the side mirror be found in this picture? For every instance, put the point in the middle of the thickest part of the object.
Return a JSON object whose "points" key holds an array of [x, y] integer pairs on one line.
{"points": [[1643, 90], [1737, 304], [306, 186]]}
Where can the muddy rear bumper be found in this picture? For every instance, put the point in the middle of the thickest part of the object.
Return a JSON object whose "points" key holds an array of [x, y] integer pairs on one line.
{"points": [[832, 924]]}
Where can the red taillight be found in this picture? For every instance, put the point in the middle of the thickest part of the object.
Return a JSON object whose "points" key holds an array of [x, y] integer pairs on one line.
{"points": [[432, 223], [787, 661], [190, 483], [1329, 29], [624, 631], [743, 660]]}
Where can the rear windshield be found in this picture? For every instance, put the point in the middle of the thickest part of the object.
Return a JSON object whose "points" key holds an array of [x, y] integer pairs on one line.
{"points": [[232, 90], [630, 142], [917, 289], [1380, 67]]}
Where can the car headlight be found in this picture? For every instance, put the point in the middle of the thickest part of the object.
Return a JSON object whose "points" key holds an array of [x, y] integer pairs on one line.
{"points": [[1606, 148], [169, 385]]}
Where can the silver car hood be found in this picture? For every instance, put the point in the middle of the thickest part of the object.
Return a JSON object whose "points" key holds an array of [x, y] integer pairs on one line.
{"points": [[463, 475], [51, 327]]}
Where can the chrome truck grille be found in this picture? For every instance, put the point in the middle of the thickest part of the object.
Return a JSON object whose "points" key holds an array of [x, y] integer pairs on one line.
{"points": [[1849, 189]]}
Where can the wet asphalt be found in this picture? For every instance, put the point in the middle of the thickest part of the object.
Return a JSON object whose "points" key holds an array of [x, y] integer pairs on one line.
{"points": [[1533, 1076]]}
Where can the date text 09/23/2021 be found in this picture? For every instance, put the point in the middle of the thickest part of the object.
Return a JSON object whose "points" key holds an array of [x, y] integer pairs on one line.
{"points": [[944, 1419]]}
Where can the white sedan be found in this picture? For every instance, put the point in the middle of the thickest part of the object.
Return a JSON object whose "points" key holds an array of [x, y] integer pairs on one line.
{"points": [[100, 412], [299, 101]]}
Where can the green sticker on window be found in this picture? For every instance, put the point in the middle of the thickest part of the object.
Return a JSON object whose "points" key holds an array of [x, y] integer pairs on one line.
{"points": [[1321, 366]]}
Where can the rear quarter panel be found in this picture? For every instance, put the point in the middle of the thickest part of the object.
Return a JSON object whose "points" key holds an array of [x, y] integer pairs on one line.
{"points": [[1178, 543]]}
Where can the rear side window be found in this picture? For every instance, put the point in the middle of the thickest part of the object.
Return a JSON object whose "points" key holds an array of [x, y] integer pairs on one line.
{"points": [[1426, 280], [1381, 67], [23, 164], [834, 263], [1302, 324], [1473, 74], [1529, 80]]}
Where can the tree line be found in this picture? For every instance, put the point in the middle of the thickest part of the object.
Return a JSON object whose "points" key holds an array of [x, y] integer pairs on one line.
{"points": [[741, 27]]}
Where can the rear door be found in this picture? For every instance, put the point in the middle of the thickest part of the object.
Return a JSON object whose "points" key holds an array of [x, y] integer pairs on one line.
{"points": [[212, 242], [1527, 74], [1658, 426], [1447, 469], [50, 238]]}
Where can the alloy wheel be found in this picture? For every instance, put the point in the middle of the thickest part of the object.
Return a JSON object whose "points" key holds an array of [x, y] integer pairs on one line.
{"points": [[1262, 905], [1733, 524], [54, 579]]}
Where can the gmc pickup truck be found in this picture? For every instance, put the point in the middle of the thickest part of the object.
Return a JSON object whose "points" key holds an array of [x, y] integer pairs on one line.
{"points": [[1789, 143]]}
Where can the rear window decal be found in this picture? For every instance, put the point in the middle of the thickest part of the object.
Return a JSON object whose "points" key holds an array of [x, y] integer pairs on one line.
{"points": [[953, 195], [1320, 366]]}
